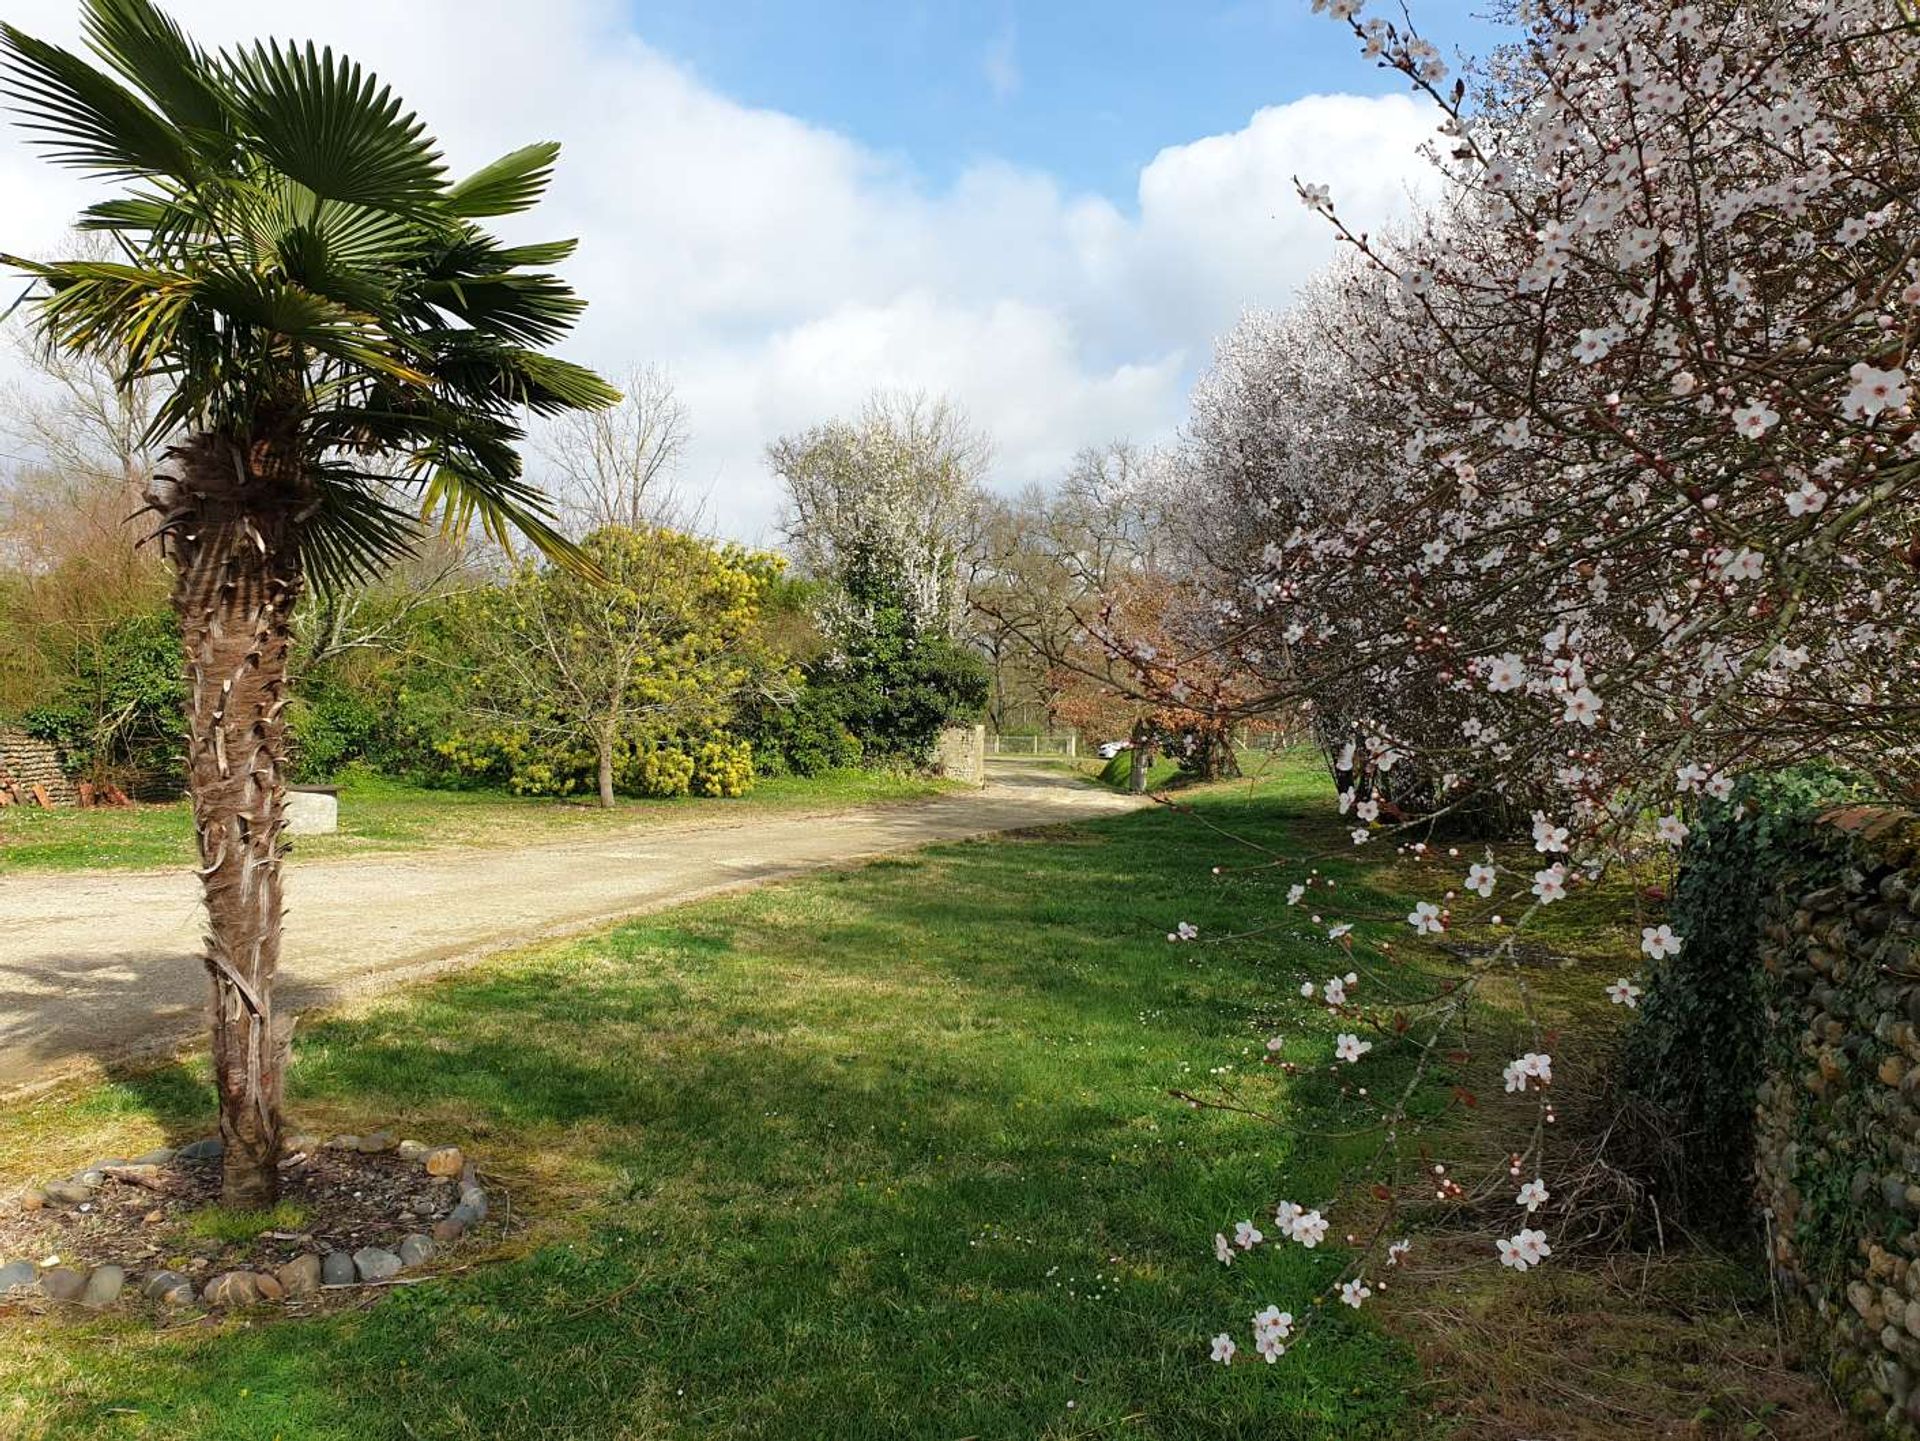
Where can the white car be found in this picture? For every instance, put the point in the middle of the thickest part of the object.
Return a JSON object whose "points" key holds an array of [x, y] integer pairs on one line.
{"points": [[1110, 749]]}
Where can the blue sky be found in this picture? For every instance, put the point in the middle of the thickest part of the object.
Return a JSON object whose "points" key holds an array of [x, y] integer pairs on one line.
{"points": [[1048, 212], [1088, 92]]}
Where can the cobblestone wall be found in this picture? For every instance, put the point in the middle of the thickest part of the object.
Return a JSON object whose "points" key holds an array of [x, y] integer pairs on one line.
{"points": [[29, 762], [1838, 1117]]}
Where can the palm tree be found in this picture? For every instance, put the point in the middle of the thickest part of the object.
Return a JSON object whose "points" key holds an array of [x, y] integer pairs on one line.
{"points": [[333, 332]]}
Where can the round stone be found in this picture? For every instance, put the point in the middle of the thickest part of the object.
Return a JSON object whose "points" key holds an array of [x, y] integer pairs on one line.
{"points": [[104, 1286], [301, 1276], [416, 1250], [156, 1286], [374, 1264], [63, 1283], [446, 1161], [337, 1269], [209, 1148], [234, 1288], [18, 1276]]}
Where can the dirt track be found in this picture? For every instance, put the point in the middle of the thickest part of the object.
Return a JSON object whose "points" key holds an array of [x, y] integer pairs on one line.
{"points": [[100, 967]]}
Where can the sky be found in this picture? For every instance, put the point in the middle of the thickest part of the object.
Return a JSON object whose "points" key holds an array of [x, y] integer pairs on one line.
{"points": [[1047, 211]]}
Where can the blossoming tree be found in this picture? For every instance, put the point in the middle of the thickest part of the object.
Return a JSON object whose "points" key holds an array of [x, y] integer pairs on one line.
{"points": [[1638, 475]]}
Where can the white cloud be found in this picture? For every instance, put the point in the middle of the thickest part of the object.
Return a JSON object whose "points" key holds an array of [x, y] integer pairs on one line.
{"points": [[781, 271]]}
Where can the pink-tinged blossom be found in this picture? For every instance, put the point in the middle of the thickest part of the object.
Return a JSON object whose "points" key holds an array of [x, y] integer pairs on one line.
{"points": [[1425, 918], [1805, 499], [1354, 1292], [1350, 1048], [1222, 1249], [1480, 879], [1521, 1072], [1583, 707], [1532, 1196], [1223, 1349], [1875, 390], [1659, 941], [1624, 992], [1246, 1235], [1309, 1229], [1550, 885], [1505, 673], [1672, 830], [1275, 1321], [1754, 419], [1524, 1250]]}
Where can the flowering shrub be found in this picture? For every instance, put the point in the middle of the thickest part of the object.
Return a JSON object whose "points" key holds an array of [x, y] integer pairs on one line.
{"points": [[1593, 490], [722, 768], [659, 771]]}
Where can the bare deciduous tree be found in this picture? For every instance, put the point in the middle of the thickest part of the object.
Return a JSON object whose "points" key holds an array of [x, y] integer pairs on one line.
{"points": [[620, 466]]}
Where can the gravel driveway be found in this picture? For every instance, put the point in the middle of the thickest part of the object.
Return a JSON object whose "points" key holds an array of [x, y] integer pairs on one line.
{"points": [[100, 967]]}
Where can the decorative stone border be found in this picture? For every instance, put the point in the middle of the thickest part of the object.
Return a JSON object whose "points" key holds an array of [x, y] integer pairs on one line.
{"points": [[305, 1275]]}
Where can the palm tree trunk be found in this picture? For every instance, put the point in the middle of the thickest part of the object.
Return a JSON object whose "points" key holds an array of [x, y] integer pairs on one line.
{"points": [[229, 527]]}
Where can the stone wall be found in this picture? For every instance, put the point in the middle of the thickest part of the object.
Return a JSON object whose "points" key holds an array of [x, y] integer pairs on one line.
{"points": [[1837, 1126], [961, 754], [29, 762]]}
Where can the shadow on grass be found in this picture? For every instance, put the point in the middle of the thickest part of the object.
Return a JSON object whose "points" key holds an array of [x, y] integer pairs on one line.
{"points": [[882, 1154]]}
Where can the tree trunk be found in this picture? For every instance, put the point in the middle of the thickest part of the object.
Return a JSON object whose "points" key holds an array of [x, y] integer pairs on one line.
{"points": [[606, 772], [229, 523]]}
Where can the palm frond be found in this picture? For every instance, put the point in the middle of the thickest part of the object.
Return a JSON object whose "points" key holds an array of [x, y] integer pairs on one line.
{"points": [[509, 185], [526, 308], [153, 54], [353, 532], [548, 385], [333, 128], [127, 212], [540, 253], [457, 497], [296, 257], [85, 119]]}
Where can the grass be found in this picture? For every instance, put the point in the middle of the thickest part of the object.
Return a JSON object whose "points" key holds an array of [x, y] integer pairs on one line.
{"points": [[381, 815], [217, 1223], [888, 1153], [1117, 772]]}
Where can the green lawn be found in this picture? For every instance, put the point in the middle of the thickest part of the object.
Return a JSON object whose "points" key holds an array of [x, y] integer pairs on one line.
{"points": [[379, 815], [879, 1154]]}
